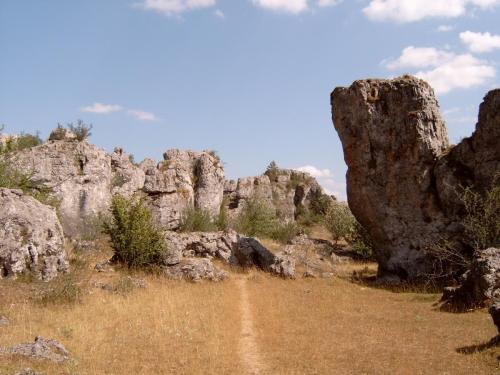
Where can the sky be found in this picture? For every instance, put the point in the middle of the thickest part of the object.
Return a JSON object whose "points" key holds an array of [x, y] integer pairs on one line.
{"points": [[250, 79]]}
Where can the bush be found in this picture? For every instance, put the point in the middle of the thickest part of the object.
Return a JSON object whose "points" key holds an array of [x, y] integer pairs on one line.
{"points": [[58, 133], [256, 219], [21, 142], [285, 232], [135, 239], [197, 220], [81, 130], [482, 219], [340, 221], [62, 291], [223, 218]]}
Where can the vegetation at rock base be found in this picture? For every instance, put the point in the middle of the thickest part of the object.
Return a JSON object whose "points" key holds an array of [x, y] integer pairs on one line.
{"points": [[81, 130], [197, 220], [135, 239]]}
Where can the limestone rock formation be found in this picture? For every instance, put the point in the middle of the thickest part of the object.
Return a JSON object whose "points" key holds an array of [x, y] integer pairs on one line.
{"points": [[127, 178], [31, 237], [183, 179], [40, 349], [195, 269], [481, 282], [288, 191], [78, 173], [228, 247], [393, 137]]}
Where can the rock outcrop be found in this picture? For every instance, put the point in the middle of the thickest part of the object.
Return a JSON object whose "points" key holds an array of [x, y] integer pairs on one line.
{"points": [[402, 170], [185, 249], [183, 179], [481, 283], [31, 237], [288, 191], [78, 173]]}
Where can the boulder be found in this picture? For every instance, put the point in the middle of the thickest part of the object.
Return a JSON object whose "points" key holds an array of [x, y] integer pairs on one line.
{"points": [[495, 314], [31, 237], [481, 283], [195, 269], [40, 349], [402, 171]]}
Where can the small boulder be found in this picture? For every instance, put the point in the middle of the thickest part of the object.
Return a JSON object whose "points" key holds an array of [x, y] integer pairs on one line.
{"points": [[40, 349], [195, 269]]}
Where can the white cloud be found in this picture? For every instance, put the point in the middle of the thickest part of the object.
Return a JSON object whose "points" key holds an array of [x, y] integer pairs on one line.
{"points": [[142, 115], [174, 7], [219, 13], [446, 70], [415, 10], [328, 3], [101, 108], [480, 42], [315, 172], [444, 28], [288, 6]]}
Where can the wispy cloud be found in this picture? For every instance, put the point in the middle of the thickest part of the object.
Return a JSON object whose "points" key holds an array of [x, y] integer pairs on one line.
{"points": [[142, 115], [219, 14], [444, 28], [101, 108]]}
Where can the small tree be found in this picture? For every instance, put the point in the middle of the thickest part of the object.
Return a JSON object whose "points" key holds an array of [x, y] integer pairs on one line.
{"points": [[81, 130], [197, 220], [135, 239], [340, 222], [272, 171], [256, 219]]}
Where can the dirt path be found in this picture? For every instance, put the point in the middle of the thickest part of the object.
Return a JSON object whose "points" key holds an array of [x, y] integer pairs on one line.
{"points": [[248, 347]]}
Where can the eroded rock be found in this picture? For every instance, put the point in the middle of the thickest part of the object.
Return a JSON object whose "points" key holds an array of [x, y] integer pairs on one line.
{"points": [[31, 237], [403, 174], [40, 349], [195, 269]]}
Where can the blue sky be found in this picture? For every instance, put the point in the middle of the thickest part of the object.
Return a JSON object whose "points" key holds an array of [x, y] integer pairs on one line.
{"points": [[248, 78]]}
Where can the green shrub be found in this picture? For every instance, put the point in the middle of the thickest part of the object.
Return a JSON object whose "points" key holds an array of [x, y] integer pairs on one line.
{"points": [[62, 291], [197, 220], [340, 221], [135, 239], [81, 130], [482, 219], [21, 142], [285, 232], [58, 133], [256, 219], [223, 218], [272, 171]]}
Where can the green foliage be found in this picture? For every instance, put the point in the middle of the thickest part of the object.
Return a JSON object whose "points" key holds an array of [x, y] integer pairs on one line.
{"points": [[256, 219], [197, 220], [285, 232], [21, 142], [272, 171], [62, 291], [58, 133], [341, 223], [482, 218], [135, 239], [223, 218], [81, 130], [131, 158]]}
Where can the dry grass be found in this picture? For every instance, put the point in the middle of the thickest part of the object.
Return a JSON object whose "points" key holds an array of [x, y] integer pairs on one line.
{"points": [[306, 326], [332, 326]]}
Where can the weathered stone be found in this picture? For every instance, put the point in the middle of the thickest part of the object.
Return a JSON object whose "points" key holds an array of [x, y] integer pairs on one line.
{"points": [[182, 180], [31, 237], [201, 244], [284, 265], [309, 275], [195, 269], [104, 266], [127, 178], [402, 174], [482, 282], [40, 349], [78, 173], [285, 190]]}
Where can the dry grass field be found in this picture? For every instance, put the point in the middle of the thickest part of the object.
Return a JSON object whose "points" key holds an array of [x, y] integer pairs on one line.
{"points": [[251, 323]]}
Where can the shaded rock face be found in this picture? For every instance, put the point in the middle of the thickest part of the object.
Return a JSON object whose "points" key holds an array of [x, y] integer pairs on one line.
{"points": [[287, 191], [392, 134], [185, 249], [402, 174], [78, 173], [183, 179], [31, 237], [481, 282]]}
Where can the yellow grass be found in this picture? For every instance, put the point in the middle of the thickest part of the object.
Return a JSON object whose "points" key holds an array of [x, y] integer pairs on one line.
{"points": [[306, 326]]}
